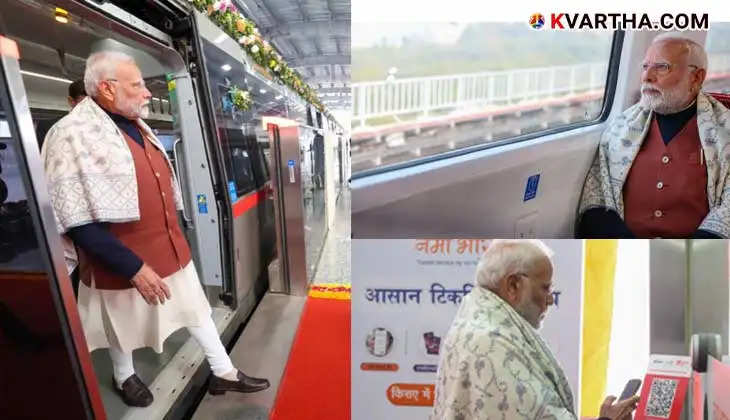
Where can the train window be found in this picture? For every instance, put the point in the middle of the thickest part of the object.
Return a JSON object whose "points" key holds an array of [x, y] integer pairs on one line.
{"points": [[718, 55], [239, 129], [242, 170], [258, 162], [426, 89]]}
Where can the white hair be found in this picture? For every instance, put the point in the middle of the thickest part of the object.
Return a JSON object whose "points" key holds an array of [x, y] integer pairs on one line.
{"points": [[102, 66], [506, 257], [697, 55]]}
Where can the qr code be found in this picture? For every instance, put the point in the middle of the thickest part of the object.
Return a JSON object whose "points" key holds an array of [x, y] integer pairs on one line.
{"points": [[661, 397]]}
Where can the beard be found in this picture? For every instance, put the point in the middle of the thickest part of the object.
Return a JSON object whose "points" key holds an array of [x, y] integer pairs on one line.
{"points": [[530, 311], [132, 110], [667, 101]]}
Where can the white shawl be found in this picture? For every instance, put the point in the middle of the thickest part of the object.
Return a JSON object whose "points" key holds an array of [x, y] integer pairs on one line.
{"points": [[494, 365], [621, 142], [90, 171]]}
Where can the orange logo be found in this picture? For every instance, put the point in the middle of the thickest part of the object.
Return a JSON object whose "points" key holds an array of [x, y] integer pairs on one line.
{"points": [[390, 367], [411, 394]]}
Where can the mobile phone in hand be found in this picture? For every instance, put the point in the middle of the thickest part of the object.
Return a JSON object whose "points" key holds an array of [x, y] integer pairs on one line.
{"points": [[630, 389]]}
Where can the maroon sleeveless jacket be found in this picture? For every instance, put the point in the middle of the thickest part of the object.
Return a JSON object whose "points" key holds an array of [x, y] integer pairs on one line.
{"points": [[156, 238], [665, 194]]}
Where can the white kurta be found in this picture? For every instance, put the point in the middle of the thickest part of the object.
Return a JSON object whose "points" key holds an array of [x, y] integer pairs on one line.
{"points": [[122, 318]]}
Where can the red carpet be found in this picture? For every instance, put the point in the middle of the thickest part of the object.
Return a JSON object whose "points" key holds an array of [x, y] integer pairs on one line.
{"points": [[316, 382]]}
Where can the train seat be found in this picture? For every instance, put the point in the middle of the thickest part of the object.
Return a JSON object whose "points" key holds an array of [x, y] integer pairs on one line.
{"points": [[724, 98]]}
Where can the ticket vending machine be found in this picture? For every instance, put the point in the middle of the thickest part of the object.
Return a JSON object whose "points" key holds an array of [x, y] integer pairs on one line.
{"points": [[298, 168]]}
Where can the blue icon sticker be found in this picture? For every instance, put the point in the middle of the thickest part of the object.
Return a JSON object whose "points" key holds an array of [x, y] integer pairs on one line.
{"points": [[531, 188], [202, 204], [425, 368], [232, 191], [291, 162]]}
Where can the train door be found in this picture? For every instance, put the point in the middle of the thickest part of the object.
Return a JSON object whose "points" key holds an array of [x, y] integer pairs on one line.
{"points": [[53, 54], [300, 220], [43, 351], [234, 132]]}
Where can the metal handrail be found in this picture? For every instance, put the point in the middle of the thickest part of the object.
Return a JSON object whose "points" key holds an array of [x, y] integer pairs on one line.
{"points": [[421, 95]]}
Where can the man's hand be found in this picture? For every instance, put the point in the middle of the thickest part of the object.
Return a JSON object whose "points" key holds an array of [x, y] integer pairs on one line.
{"points": [[619, 411], [151, 286]]}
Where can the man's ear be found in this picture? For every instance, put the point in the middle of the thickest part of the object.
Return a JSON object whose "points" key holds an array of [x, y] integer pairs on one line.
{"points": [[513, 286], [105, 91], [699, 78]]}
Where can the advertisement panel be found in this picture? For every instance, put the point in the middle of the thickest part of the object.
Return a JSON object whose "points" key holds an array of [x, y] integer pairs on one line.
{"points": [[405, 294]]}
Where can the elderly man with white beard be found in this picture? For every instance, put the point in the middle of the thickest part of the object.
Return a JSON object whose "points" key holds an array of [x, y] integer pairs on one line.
{"points": [[115, 196], [661, 169], [493, 363]]}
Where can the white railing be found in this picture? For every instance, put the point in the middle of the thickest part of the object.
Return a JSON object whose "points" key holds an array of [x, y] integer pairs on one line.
{"points": [[718, 63], [443, 93]]}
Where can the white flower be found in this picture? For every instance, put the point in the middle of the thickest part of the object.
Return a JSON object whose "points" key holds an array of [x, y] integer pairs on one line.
{"points": [[255, 49], [219, 5], [246, 40]]}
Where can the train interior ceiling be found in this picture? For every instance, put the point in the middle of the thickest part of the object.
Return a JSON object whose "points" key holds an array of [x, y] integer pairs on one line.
{"points": [[481, 186], [54, 54]]}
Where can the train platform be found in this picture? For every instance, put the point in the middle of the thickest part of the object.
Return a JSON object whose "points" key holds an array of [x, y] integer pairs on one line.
{"points": [[304, 328]]}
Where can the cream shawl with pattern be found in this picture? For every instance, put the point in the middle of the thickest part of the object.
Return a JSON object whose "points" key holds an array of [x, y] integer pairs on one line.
{"points": [[621, 142], [90, 171], [494, 365]]}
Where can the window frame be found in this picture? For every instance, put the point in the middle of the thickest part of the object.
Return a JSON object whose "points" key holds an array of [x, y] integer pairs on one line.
{"points": [[608, 98]]}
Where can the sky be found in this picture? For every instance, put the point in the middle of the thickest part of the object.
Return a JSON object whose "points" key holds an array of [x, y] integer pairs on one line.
{"points": [[373, 33]]}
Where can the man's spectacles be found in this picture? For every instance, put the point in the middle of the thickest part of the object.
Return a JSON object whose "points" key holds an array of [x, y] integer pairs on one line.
{"points": [[662, 69], [137, 85]]}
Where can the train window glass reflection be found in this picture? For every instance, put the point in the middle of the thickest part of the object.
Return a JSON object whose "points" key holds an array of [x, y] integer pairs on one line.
{"points": [[242, 170], [32, 344], [428, 88], [19, 250], [718, 57], [238, 129]]}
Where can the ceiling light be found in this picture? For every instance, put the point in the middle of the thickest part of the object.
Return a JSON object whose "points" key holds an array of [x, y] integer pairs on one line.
{"points": [[262, 90], [61, 15], [45, 76], [226, 67], [279, 96]]}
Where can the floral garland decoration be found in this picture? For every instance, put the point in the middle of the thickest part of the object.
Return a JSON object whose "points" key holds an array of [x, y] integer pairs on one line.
{"points": [[240, 98], [224, 14]]}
